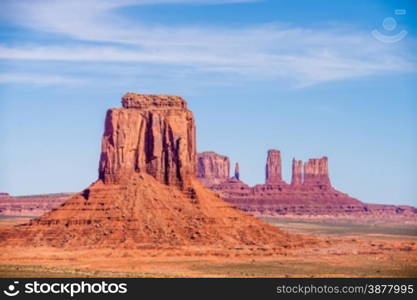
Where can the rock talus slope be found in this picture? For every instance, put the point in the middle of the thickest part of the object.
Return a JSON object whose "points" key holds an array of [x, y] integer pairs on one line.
{"points": [[297, 172]]}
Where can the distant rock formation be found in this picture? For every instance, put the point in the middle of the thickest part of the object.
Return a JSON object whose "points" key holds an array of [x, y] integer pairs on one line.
{"points": [[212, 168], [237, 172], [147, 194], [273, 168], [31, 205], [309, 193], [297, 173], [316, 173]]}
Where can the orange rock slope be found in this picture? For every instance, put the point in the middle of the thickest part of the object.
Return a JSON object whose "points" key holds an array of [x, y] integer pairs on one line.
{"points": [[147, 194]]}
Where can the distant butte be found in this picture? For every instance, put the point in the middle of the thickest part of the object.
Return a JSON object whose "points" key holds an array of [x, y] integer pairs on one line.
{"points": [[309, 193], [213, 168]]}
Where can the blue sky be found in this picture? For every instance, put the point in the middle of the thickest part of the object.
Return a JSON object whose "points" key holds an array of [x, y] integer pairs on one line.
{"points": [[306, 77]]}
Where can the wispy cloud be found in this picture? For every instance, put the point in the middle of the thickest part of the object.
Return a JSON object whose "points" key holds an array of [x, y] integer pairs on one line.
{"points": [[37, 79], [300, 55]]}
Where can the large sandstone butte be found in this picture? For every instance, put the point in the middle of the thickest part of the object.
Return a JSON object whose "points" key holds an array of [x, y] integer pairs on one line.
{"points": [[153, 134], [147, 194], [309, 193]]}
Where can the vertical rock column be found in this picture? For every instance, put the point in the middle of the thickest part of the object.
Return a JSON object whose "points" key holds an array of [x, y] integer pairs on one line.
{"points": [[297, 172], [154, 134], [273, 167], [237, 175]]}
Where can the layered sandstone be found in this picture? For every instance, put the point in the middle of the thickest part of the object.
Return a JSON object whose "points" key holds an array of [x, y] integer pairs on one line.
{"points": [[151, 134], [212, 168], [141, 212], [297, 172], [273, 167], [316, 173], [147, 194]]}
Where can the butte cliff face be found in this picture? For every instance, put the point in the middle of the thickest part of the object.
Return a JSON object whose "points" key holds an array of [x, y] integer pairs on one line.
{"points": [[147, 194], [297, 173], [273, 167], [212, 168], [316, 173], [150, 134]]}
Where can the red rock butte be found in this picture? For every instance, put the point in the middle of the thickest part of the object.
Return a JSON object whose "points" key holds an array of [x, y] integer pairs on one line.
{"points": [[213, 168], [309, 193], [147, 193], [273, 168], [151, 134]]}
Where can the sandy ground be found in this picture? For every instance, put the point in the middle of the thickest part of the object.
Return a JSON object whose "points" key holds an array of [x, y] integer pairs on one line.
{"points": [[340, 252]]}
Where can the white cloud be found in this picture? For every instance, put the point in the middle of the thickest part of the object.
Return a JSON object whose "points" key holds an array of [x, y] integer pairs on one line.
{"points": [[273, 51], [37, 79]]}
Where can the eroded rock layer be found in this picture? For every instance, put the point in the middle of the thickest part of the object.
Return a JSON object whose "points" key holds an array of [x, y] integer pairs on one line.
{"points": [[142, 212], [273, 168], [297, 172]]}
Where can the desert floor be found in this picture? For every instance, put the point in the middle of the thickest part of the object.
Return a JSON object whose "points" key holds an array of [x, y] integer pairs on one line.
{"points": [[343, 250]]}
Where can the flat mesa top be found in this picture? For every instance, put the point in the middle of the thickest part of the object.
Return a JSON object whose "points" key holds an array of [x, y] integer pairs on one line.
{"points": [[211, 153], [144, 101]]}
